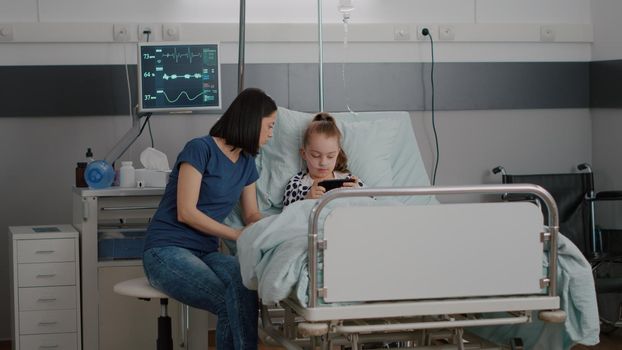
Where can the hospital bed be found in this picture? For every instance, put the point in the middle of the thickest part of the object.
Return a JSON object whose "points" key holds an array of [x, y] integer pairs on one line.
{"points": [[409, 270]]}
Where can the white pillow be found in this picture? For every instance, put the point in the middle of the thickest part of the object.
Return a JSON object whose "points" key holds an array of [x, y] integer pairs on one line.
{"points": [[367, 143]]}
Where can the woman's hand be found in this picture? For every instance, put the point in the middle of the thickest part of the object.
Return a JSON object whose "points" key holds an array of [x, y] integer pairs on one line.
{"points": [[316, 191], [354, 183]]}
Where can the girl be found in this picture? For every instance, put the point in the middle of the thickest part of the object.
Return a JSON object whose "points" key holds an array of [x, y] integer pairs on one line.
{"points": [[325, 160], [212, 173]]}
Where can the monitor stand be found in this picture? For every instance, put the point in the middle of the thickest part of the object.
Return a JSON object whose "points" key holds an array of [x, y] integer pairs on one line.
{"points": [[128, 139]]}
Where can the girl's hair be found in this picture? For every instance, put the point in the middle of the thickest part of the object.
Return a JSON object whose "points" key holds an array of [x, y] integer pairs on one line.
{"points": [[324, 124], [240, 126]]}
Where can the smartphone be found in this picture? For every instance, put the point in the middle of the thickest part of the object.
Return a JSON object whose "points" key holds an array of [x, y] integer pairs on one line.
{"points": [[333, 183]]}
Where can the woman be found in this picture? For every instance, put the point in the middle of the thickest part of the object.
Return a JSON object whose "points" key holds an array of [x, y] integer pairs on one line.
{"points": [[211, 174]]}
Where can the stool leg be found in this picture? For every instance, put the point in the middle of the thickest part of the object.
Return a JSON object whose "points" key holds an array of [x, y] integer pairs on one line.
{"points": [[165, 338]]}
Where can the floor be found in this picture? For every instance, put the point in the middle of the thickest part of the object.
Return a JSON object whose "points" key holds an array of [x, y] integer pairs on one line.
{"points": [[612, 341]]}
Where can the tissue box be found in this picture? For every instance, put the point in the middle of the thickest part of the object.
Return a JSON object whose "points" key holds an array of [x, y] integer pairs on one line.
{"points": [[152, 178]]}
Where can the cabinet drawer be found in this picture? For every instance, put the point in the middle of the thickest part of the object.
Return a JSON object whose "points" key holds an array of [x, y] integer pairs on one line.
{"points": [[64, 341], [115, 208], [46, 250], [41, 322], [47, 298], [43, 275]]}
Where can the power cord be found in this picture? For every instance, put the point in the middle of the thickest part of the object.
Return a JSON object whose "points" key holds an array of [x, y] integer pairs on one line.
{"points": [[147, 33], [427, 33], [147, 117]]}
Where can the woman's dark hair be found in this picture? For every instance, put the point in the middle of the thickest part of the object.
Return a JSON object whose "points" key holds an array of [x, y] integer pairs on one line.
{"points": [[240, 125], [324, 124]]}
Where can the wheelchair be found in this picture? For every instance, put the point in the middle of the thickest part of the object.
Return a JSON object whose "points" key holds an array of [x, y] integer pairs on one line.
{"points": [[577, 202]]}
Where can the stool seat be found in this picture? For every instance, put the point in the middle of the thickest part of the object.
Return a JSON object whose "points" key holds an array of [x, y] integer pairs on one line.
{"points": [[138, 288]]}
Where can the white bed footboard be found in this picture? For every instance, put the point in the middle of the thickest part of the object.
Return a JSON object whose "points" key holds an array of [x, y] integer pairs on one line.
{"points": [[434, 251]]}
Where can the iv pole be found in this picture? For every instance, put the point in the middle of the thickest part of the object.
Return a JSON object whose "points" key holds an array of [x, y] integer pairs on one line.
{"points": [[241, 45], [321, 54]]}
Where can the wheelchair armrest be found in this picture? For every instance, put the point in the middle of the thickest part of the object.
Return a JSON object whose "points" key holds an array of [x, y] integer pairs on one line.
{"points": [[608, 196]]}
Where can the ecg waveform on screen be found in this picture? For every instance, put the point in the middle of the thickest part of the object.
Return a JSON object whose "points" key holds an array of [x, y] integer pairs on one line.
{"points": [[177, 55], [180, 94], [182, 76]]}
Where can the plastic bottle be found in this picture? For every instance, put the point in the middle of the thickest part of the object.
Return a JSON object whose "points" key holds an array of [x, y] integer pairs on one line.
{"points": [[89, 155], [127, 175], [99, 174]]}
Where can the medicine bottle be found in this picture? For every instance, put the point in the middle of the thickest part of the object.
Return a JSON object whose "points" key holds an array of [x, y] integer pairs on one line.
{"points": [[127, 175], [80, 169]]}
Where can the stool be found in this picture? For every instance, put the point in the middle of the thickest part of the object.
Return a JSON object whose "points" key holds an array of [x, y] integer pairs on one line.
{"points": [[141, 289]]}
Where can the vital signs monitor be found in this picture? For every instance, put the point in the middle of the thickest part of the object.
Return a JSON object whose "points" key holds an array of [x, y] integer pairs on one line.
{"points": [[178, 78]]}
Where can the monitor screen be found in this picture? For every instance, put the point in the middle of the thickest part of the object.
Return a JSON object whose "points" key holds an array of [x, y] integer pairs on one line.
{"points": [[175, 77]]}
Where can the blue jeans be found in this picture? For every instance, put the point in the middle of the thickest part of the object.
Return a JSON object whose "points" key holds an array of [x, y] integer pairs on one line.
{"points": [[210, 282]]}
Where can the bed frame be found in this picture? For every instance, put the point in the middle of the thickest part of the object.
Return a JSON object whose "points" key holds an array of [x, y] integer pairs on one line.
{"points": [[410, 273]]}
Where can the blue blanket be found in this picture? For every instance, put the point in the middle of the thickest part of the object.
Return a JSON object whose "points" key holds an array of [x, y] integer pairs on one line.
{"points": [[273, 260]]}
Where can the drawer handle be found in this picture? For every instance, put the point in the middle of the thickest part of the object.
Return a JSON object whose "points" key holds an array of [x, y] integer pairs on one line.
{"points": [[47, 323], [48, 346], [144, 207], [45, 251], [48, 275], [46, 300]]}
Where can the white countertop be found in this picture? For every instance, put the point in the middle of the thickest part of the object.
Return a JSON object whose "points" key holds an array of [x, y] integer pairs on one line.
{"points": [[116, 191]]}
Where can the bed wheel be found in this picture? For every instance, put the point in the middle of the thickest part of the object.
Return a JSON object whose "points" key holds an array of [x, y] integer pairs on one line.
{"points": [[553, 316], [516, 344], [312, 329]]}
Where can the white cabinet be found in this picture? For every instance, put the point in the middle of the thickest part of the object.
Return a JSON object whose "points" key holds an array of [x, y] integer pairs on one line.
{"points": [[111, 321], [45, 287]]}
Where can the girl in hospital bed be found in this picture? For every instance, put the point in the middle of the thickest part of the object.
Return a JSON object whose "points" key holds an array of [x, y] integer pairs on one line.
{"points": [[326, 162]]}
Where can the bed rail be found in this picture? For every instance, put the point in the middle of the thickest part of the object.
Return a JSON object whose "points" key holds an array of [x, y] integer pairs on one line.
{"points": [[553, 218]]}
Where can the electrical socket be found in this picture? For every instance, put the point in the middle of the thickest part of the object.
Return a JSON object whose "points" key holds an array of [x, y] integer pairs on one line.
{"points": [[547, 33], [430, 28], [170, 32], [446, 32], [6, 32], [401, 32], [146, 27], [120, 32]]}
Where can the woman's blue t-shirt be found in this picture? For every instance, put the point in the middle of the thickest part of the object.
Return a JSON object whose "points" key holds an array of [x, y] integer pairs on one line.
{"points": [[221, 187]]}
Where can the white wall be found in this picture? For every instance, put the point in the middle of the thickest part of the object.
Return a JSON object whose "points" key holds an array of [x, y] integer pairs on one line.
{"points": [[280, 11], [607, 30], [39, 154]]}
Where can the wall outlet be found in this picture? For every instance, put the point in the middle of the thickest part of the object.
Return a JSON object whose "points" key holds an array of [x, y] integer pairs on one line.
{"points": [[170, 32], [547, 33], [144, 27], [120, 33], [446, 32], [6, 32], [401, 33], [431, 29]]}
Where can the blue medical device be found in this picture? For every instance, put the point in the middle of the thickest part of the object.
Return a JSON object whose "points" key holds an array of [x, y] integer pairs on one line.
{"points": [[178, 78]]}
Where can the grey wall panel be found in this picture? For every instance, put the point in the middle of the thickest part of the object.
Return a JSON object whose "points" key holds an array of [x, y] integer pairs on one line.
{"points": [[272, 78], [375, 87], [66, 90], [303, 87], [102, 90], [518, 85], [606, 84], [458, 86], [368, 87]]}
